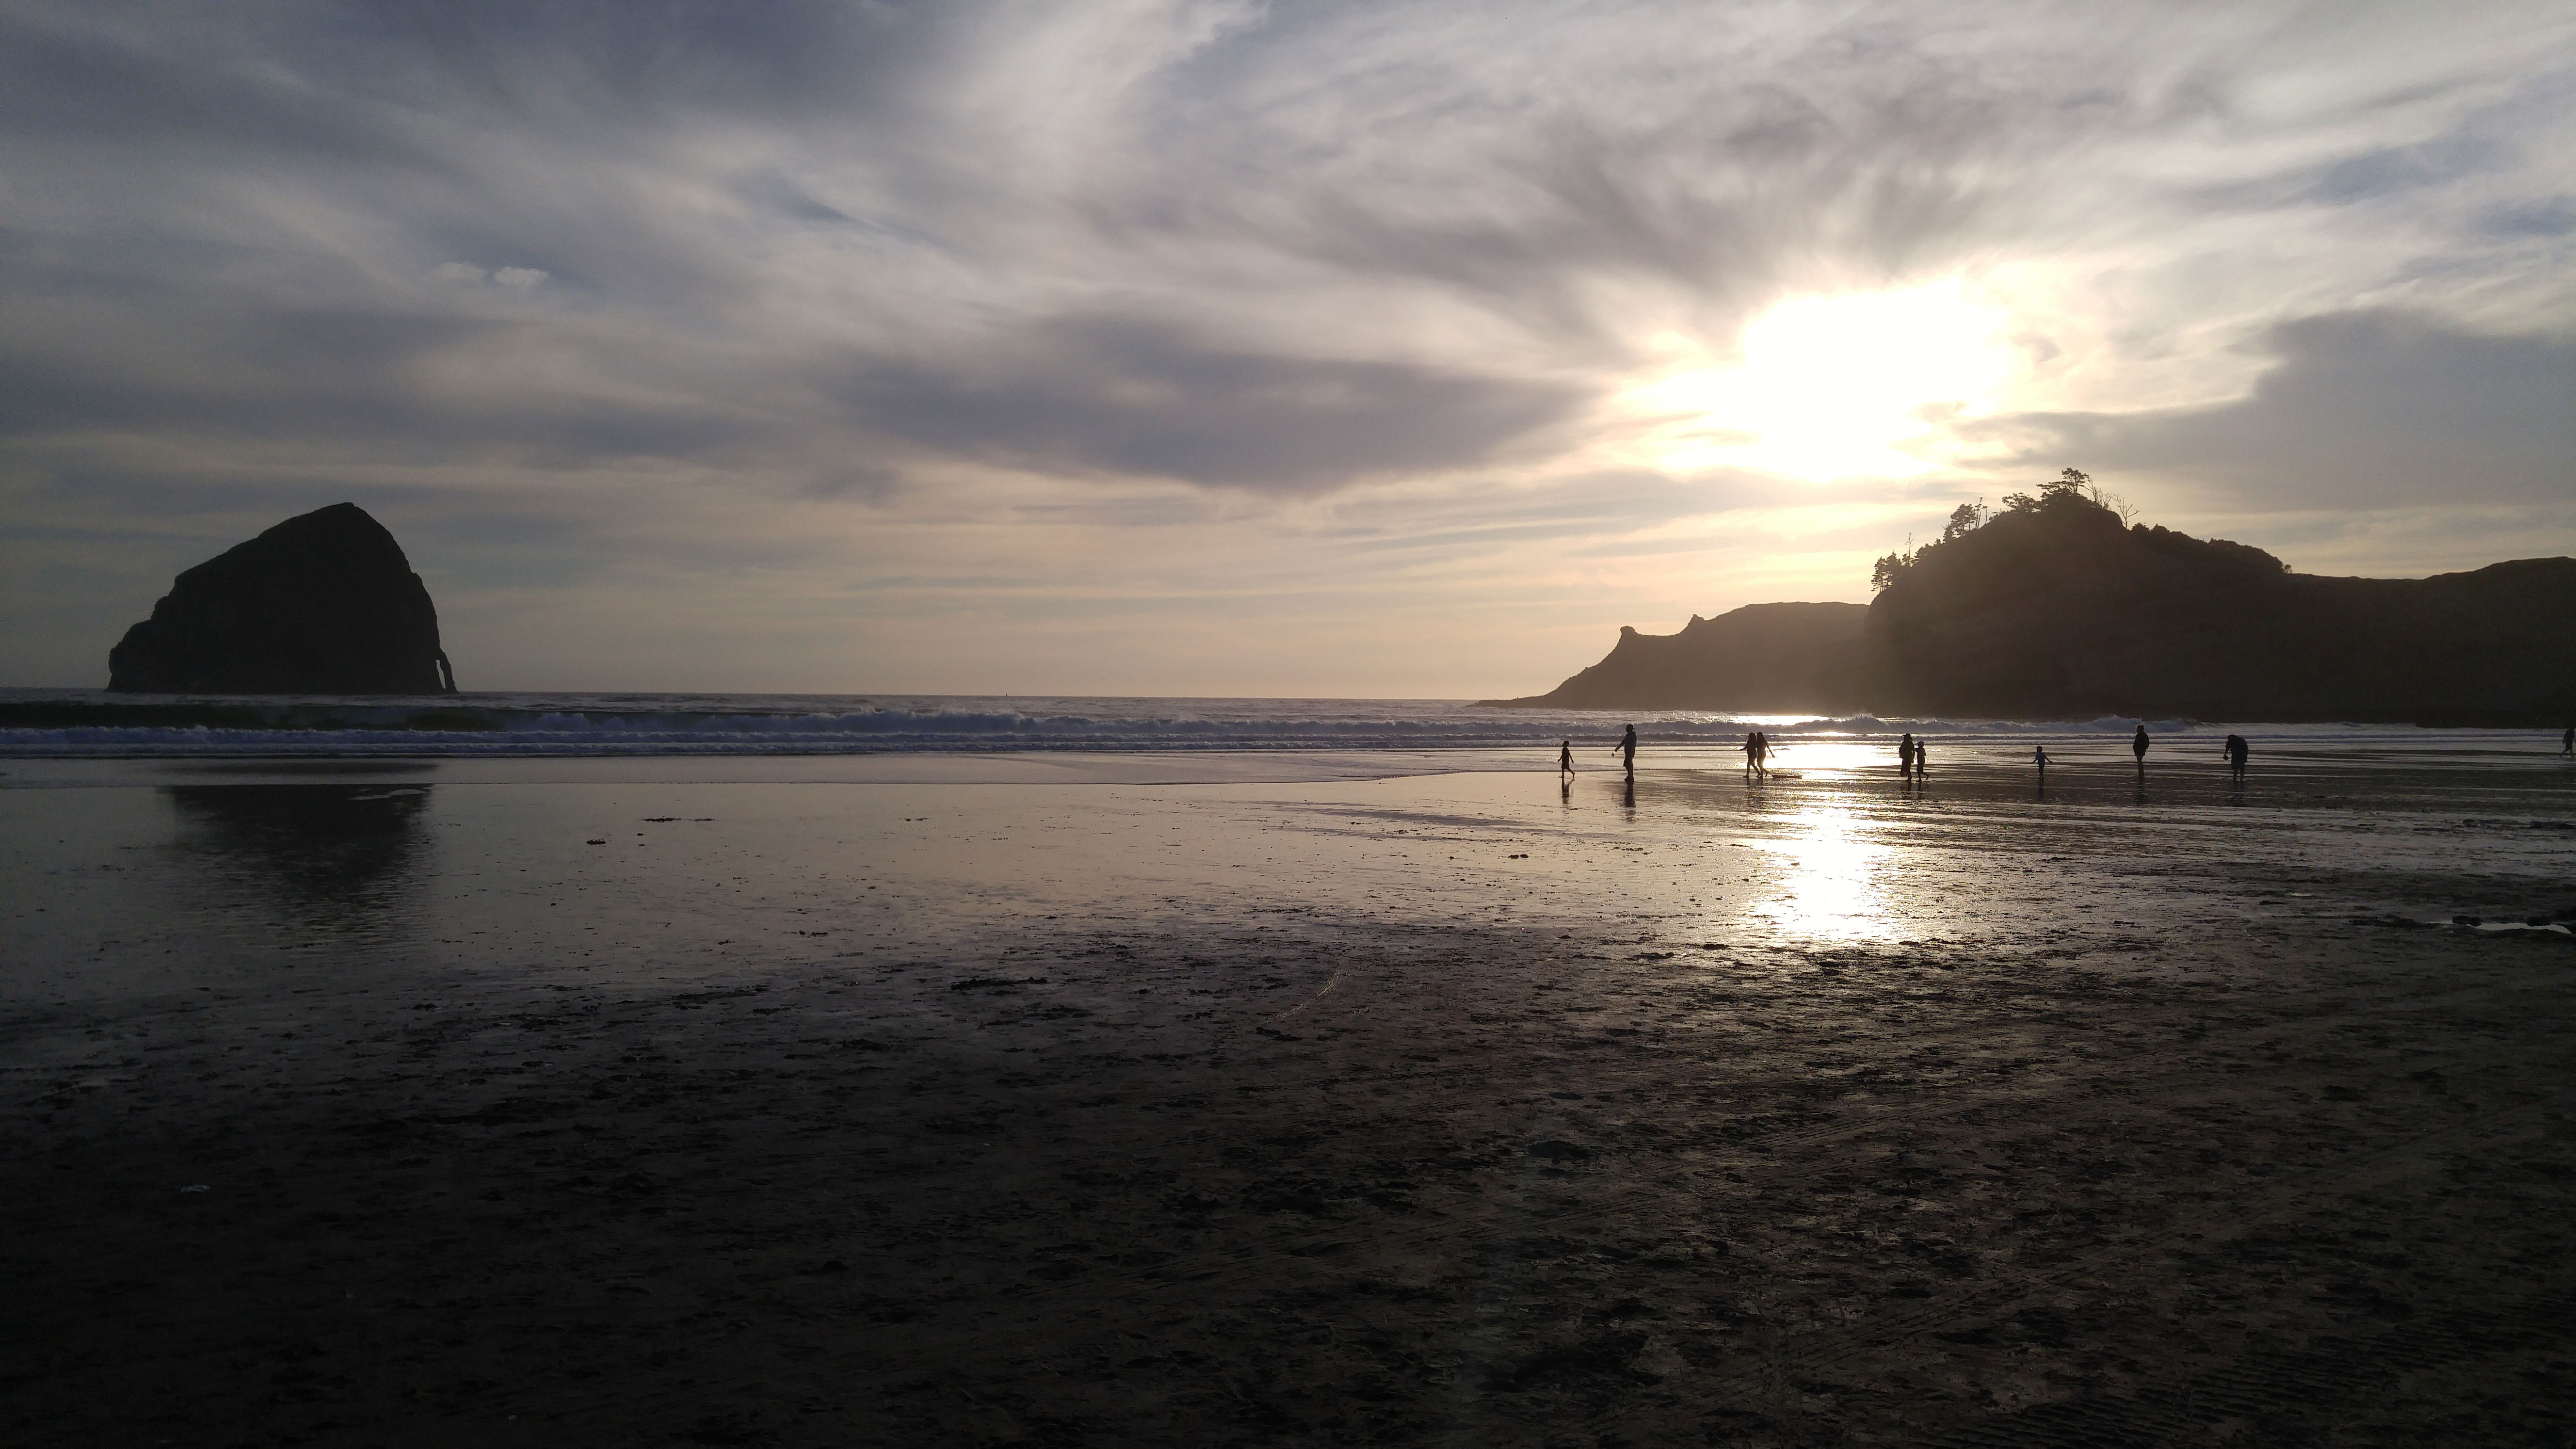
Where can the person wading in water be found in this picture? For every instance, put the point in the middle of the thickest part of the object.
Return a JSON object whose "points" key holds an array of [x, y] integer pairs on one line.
{"points": [[2138, 746], [1626, 749]]}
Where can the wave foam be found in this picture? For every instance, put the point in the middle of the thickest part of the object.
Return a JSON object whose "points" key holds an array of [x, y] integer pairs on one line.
{"points": [[97, 724]]}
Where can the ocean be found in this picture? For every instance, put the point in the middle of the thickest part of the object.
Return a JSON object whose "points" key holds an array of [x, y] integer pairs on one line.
{"points": [[1454, 734]]}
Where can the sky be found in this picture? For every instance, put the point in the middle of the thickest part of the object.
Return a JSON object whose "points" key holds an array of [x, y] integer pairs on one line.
{"points": [[1343, 350]]}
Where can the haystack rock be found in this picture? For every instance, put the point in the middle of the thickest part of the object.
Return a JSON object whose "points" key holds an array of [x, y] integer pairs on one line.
{"points": [[324, 603]]}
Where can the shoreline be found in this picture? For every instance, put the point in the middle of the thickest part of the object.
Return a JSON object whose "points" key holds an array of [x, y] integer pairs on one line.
{"points": [[681, 725]]}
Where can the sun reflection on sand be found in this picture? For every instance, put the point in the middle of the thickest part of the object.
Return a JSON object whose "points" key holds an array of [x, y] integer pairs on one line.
{"points": [[1830, 883], [1812, 756]]}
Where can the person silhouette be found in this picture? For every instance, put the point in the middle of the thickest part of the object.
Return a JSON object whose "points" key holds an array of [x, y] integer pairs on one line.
{"points": [[2138, 746], [1748, 751], [1905, 755], [1761, 752], [1918, 759], [1565, 757], [2567, 742], [1626, 749], [2237, 750], [2039, 755]]}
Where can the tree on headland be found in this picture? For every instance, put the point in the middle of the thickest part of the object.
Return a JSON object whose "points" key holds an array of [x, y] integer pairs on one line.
{"points": [[2067, 508], [1889, 569], [2071, 489], [2068, 489], [1966, 518]]}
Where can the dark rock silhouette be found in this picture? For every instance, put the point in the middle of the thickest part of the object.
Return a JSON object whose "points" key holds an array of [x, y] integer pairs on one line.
{"points": [[2061, 611], [2058, 610], [324, 603], [1762, 659]]}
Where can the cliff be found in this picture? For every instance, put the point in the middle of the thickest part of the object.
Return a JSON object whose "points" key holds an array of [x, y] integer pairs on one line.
{"points": [[2057, 610], [1760, 659], [324, 603]]}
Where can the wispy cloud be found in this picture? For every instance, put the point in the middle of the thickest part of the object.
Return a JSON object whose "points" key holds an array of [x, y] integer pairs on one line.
{"points": [[735, 309]]}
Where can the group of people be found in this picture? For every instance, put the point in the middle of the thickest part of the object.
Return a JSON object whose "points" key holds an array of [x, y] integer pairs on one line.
{"points": [[1757, 753], [2236, 750], [1909, 756], [1626, 749], [1909, 753]]}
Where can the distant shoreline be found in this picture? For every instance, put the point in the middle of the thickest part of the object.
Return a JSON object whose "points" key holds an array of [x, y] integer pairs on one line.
{"points": [[1130, 740]]}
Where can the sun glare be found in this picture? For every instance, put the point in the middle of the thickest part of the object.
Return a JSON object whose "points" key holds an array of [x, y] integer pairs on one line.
{"points": [[1830, 886], [1832, 387]]}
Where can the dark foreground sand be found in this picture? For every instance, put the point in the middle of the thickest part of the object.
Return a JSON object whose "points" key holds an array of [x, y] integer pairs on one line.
{"points": [[2190, 1165]]}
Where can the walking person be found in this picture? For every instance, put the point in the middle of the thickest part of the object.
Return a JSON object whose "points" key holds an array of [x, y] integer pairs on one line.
{"points": [[2138, 745], [1918, 759], [1626, 749], [2237, 751], [2567, 742], [2039, 754], [1565, 757], [1905, 756], [1761, 753]]}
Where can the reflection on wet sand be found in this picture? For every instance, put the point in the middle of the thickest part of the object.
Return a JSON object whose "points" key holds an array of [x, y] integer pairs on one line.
{"points": [[1832, 889], [333, 854]]}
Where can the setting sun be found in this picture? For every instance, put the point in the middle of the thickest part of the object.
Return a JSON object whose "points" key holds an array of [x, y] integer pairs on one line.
{"points": [[1831, 387]]}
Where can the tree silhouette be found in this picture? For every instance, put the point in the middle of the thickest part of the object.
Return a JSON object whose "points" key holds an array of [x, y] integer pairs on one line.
{"points": [[1888, 570], [1966, 518], [2071, 489]]}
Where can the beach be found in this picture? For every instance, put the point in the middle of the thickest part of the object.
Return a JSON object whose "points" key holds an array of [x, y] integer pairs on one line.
{"points": [[1220, 725], [1144, 1098]]}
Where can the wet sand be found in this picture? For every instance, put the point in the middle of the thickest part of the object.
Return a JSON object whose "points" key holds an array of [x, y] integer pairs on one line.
{"points": [[1433, 1110]]}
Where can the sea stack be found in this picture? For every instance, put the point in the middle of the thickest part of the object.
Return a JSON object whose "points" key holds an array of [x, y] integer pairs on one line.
{"points": [[324, 603]]}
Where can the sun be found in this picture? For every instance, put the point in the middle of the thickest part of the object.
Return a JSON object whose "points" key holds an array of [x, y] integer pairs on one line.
{"points": [[1833, 387]]}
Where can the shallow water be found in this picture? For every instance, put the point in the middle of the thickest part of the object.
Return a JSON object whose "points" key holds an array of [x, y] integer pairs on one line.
{"points": [[143, 875]]}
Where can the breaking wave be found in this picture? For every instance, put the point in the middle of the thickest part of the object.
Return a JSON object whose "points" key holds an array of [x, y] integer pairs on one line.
{"points": [[91, 723]]}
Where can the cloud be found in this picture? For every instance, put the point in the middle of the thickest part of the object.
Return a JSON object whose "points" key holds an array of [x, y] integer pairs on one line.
{"points": [[2369, 409], [2553, 216], [1119, 397], [466, 274], [382, 384], [1163, 295]]}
